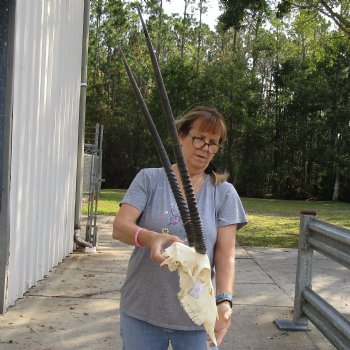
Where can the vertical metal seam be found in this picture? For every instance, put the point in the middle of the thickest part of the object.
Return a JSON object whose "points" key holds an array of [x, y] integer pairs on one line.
{"points": [[7, 18]]}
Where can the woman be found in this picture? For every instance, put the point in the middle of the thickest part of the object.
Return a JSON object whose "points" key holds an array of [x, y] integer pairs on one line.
{"points": [[151, 315]]}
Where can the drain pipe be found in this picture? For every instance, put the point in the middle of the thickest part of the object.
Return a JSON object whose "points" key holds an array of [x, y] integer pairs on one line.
{"points": [[82, 109]]}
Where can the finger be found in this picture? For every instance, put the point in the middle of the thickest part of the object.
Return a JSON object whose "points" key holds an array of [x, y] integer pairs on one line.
{"points": [[219, 338], [156, 254], [158, 258], [210, 341], [173, 239], [211, 344], [228, 314], [220, 334]]}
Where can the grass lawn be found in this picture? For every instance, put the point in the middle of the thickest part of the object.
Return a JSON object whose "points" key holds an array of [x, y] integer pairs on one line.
{"points": [[272, 223], [275, 223], [108, 203]]}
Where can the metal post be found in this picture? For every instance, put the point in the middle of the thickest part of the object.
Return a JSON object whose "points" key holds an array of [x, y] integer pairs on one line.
{"points": [[303, 278], [91, 220], [100, 157], [82, 108], [98, 180]]}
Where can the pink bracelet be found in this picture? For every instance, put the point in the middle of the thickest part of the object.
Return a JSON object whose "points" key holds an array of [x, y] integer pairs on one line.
{"points": [[136, 240]]}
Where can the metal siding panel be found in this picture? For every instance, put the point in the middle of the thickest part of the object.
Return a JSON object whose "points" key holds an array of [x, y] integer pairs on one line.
{"points": [[16, 274], [44, 140], [33, 112]]}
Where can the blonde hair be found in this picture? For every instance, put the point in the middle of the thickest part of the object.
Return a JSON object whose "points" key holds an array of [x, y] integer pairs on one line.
{"points": [[211, 121]]}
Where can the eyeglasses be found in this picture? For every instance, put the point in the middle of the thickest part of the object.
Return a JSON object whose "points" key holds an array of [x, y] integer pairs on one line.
{"points": [[198, 142]]}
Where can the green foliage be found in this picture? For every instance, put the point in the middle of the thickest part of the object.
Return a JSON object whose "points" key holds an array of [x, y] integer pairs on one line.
{"points": [[234, 11], [283, 86], [337, 11]]}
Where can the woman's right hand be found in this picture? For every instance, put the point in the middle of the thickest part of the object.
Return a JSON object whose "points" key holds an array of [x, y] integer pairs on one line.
{"points": [[157, 244], [124, 229]]}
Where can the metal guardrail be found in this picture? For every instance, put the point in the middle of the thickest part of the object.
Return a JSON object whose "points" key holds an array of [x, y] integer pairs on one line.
{"points": [[333, 242]]}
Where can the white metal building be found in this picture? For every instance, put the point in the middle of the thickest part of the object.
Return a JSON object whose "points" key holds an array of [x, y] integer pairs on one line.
{"points": [[41, 43]]}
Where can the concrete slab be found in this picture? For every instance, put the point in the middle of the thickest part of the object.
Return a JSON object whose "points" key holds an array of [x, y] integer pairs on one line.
{"points": [[329, 279], [77, 305], [248, 271], [261, 295], [252, 329], [241, 253], [40, 323], [79, 284]]}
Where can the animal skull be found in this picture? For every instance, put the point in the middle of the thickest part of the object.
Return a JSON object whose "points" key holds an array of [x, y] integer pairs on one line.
{"points": [[196, 293]]}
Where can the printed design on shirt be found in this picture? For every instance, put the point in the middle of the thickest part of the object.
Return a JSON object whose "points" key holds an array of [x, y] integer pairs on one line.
{"points": [[173, 218]]}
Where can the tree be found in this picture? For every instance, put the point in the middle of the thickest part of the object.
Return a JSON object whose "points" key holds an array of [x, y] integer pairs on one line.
{"points": [[337, 11], [283, 86], [235, 11]]}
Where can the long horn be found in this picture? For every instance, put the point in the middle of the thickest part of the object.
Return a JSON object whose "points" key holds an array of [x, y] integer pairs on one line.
{"points": [[199, 242], [181, 204]]}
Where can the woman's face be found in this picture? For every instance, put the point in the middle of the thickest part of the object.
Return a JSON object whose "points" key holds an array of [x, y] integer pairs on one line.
{"points": [[197, 159]]}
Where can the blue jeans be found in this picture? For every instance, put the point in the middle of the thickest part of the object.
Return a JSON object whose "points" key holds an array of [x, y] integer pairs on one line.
{"points": [[140, 335]]}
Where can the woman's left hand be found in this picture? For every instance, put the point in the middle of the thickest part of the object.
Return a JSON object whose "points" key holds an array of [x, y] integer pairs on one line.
{"points": [[223, 323]]}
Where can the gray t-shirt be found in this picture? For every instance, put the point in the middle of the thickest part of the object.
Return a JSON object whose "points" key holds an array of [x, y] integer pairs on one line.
{"points": [[149, 292]]}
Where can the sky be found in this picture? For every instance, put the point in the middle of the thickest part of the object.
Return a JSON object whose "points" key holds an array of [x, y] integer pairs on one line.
{"points": [[210, 18]]}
